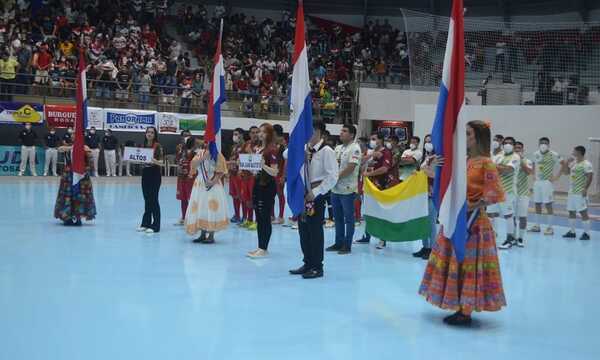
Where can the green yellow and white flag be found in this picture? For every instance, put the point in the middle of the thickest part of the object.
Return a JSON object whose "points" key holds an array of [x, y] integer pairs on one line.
{"points": [[399, 213]]}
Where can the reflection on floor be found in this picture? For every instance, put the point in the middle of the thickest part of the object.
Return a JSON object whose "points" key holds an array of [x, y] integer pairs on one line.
{"points": [[104, 291]]}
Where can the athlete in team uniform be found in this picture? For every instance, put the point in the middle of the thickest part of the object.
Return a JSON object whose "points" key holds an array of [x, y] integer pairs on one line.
{"points": [[522, 199], [544, 163]]}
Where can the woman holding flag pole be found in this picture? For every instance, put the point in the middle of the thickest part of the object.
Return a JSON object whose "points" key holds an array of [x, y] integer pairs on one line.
{"points": [[463, 272], [75, 198]]}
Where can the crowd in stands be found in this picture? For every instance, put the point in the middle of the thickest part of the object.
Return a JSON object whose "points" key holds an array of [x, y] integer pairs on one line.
{"points": [[131, 58]]}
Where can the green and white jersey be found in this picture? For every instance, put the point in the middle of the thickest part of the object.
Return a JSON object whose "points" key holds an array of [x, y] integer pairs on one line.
{"points": [[509, 181], [545, 163], [578, 176], [523, 178]]}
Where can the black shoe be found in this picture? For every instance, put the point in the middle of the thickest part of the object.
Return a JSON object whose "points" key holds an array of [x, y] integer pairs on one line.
{"points": [[426, 254], [200, 239], [570, 235], [419, 253], [209, 240], [507, 244], [299, 271], [334, 247], [584, 236], [520, 243], [312, 274], [344, 250], [458, 319], [363, 240]]}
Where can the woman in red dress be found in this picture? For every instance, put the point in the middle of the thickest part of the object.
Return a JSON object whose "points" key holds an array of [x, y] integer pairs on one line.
{"points": [[185, 177], [475, 284]]}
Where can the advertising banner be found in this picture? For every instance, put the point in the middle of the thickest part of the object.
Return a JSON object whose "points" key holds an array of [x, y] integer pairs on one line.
{"points": [[63, 116], [168, 123], [129, 120], [10, 160], [17, 112], [195, 123]]}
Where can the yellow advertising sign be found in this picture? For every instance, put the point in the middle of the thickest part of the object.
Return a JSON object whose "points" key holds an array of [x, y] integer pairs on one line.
{"points": [[26, 114]]}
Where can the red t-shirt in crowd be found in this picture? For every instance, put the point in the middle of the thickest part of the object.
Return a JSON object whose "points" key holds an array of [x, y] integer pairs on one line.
{"points": [[385, 160]]}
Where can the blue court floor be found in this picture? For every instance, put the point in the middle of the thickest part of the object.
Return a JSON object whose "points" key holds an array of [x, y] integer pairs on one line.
{"points": [[104, 291]]}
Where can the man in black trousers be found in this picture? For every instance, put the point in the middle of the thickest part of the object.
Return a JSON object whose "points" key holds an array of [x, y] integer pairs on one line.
{"points": [[321, 174]]}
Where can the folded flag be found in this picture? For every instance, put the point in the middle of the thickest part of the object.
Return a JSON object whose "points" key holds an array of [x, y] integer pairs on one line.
{"points": [[399, 213]]}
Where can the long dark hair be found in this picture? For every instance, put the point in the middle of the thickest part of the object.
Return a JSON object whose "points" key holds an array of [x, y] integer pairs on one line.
{"points": [[155, 136], [483, 135]]}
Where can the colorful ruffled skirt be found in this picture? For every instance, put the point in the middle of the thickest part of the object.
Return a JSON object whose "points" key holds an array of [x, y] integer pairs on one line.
{"points": [[473, 285], [207, 210], [79, 206]]}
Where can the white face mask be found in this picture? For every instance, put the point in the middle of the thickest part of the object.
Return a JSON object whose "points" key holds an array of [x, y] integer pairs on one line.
{"points": [[372, 144], [70, 131], [428, 147], [52, 132], [495, 145], [92, 132], [543, 148], [508, 148], [236, 138], [388, 145], [28, 127], [413, 146]]}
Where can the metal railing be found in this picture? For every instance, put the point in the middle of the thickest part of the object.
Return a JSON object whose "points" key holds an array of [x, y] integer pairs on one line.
{"points": [[112, 94]]}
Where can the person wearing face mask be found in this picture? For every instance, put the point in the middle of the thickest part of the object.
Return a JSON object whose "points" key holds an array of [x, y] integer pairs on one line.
{"points": [[28, 137], [250, 147], [497, 144], [379, 171], [109, 146], [411, 158], [67, 138], [151, 181], [545, 161], [281, 145], [91, 140], [581, 174], [508, 164], [428, 166], [235, 181], [52, 143], [207, 210], [522, 200]]}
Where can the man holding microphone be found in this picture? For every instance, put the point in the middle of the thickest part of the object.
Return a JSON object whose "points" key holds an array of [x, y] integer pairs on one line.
{"points": [[51, 141]]}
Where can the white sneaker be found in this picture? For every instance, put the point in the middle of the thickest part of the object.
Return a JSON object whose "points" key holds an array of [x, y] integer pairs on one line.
{"points": [[149, 231], [549, 231], [45, 174], [260, 253], [20, 173], [34, 174], [141, 229], [295, 226]]}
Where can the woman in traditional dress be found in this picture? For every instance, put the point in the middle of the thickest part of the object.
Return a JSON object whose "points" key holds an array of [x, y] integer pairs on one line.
{"points": [[475, 284], [185, 178], [207, 211], [71, 207]]}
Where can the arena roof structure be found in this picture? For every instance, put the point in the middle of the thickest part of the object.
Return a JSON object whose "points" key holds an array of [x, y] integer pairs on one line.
{"points": [[505, 8]]}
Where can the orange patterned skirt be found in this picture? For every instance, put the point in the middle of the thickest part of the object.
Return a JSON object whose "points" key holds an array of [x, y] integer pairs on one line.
{"points": [[473, 285]]}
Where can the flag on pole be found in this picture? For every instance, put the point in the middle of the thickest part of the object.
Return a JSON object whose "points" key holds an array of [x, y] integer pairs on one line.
{"points": [[78, 153], [300, 119], [449, 138], [212, 134]]}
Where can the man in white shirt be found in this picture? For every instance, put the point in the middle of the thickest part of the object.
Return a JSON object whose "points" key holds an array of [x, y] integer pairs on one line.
{"points": [[545, 161], [411, 158], [508, 164], [321, 177], [343, 194]]}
